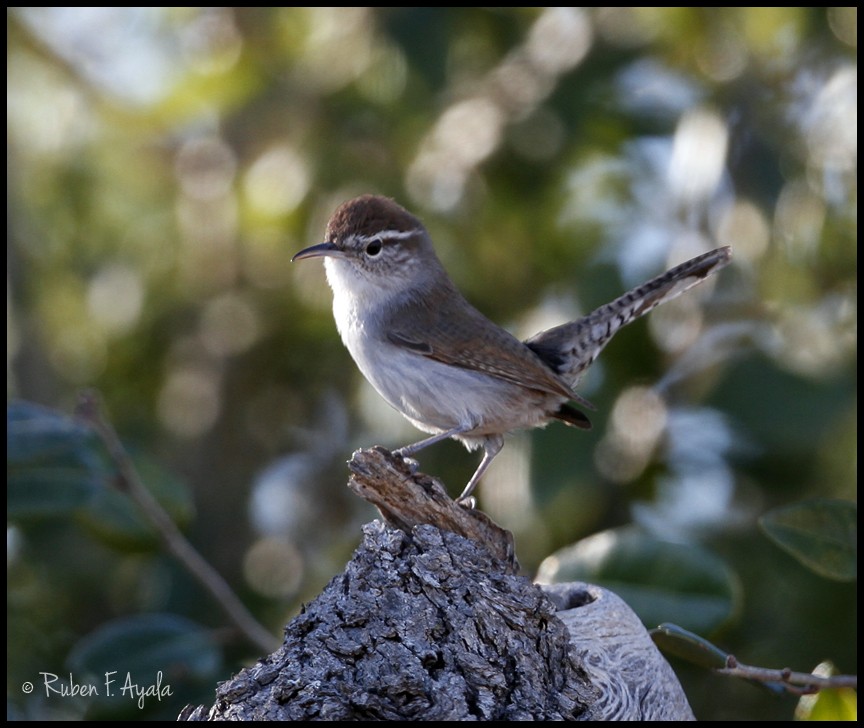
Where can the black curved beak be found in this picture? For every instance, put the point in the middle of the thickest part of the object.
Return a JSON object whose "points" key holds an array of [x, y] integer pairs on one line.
{"points": [[319, 251]]}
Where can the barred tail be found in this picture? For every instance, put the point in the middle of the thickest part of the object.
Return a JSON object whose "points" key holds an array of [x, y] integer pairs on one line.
{"points": [[571, 348]]}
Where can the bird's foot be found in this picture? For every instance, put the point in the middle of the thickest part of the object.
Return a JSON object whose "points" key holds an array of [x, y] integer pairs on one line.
{"points": [[413, 465]]}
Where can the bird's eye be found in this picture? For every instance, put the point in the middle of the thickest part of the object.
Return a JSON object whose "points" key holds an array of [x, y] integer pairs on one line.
{"points": [[373, 248]]}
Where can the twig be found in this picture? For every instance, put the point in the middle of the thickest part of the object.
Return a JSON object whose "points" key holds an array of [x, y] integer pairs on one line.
{"points": [[798, 683], [90, 411]]}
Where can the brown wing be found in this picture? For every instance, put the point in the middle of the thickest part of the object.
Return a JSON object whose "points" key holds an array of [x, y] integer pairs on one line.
{"points": [[445, 327]]}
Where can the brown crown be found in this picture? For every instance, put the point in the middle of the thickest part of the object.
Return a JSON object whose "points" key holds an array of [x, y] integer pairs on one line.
{"points": [[367, 215]]}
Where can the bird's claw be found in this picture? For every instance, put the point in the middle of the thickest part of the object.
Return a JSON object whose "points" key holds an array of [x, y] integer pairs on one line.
{"points": [[413, 465], [469, 503]]}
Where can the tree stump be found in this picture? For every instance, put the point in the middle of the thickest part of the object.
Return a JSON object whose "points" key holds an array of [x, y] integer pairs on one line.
{"points": [[431, 621]]}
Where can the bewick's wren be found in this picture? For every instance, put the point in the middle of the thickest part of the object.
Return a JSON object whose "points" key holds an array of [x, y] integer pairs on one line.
{"points": [[437, 359]]}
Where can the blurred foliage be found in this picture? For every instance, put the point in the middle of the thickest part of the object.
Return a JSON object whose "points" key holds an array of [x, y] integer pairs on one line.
{"points": [[682, 583], [164, 164], [821, 534]]}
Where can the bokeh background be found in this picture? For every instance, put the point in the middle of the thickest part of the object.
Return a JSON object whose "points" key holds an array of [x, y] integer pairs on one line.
{"points": [[163, 166]]}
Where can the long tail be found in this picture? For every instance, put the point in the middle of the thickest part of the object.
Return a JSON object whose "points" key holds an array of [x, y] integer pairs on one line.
{"points": [[572, 347]]}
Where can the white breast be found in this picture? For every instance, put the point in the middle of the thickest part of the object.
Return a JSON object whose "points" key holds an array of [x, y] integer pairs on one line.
{"points": [[433, 396]]}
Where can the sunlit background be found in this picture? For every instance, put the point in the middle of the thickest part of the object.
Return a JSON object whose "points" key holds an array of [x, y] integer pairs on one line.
{"points": [[164, 164]]}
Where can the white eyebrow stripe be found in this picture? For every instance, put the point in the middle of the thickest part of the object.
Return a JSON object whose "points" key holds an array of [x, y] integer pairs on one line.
{"points": [[388, 235]]}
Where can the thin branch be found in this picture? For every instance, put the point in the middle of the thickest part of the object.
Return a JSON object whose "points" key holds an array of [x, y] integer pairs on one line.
{"points": [[90, 411], [798, 683]]}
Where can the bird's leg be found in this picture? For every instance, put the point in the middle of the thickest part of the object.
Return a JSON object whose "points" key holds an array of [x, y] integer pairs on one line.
{"points": [[409, 450], [406, 452], [491, 447]]}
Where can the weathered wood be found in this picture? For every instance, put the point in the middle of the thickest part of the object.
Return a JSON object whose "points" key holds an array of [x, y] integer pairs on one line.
{"points": [[406, 498], [430, 624], [631, 675]]}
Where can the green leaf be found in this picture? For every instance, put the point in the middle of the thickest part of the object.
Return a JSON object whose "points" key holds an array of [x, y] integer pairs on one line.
{"points": [[822, 534], [37, 434], [660, 581], [829, 704], [55, 465], [141, 647], [58, 467], [675, 640], [116, 520], [42, 492]]}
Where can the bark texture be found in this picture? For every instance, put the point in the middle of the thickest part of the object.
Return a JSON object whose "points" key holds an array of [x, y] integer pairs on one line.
{"points": [[432, 622]]}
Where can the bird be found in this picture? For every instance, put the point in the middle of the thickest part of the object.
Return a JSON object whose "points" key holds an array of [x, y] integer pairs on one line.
{"points": [[440, 362]]}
